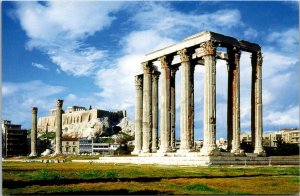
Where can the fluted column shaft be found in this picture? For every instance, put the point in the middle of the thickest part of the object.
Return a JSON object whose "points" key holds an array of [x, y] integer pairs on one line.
{"points": [[58, 149], [155, 78], [165, 120], [209, 127], [185, 114], [235, 102], [192, 139], [230, 100], [147, 108], [138, 114], [33, 152], [257, 103], [173, 108]]}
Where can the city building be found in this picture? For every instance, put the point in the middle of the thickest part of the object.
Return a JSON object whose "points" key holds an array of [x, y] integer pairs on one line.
{"points": [[88, 146], [291, 136], [70, 145], [85, 146], [271, 138], [14, 139]]}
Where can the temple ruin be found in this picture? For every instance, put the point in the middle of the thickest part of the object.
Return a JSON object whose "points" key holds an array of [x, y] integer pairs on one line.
{"points": [[199, 49]]}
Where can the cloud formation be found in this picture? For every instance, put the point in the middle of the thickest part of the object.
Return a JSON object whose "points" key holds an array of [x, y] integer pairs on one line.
{"points": [[20, 97], [39, 66], [60, 29]]}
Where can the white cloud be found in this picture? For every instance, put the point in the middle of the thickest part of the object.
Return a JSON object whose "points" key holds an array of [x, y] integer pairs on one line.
{"points": [[39, 66], [288, 117], [286, 40], [250, 33], [19, 98], [173, 23], [60, 28], [158, 26]]}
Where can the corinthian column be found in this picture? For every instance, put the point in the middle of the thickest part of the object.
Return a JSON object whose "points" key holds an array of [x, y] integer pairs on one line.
{"points": [[173, 107], [138, 114], [34, 132], [235, 100], [192, 139], [147, 107], [209, 123], [59, 104], [165, 123], [155, 78], [257, 103], [185, 113]]}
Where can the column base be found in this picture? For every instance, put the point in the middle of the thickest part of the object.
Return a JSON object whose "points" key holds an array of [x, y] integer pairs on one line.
{"points": [[238, 152], [184, 151], [57, 153], [136, 152], [164, 150], [260, 151], [145, 151], [33, 154], [154, 150], [209, 151]]}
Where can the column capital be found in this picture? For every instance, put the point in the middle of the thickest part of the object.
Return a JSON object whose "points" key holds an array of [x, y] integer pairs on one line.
{"points": [[155, 75], [139, 81], [184, 55], [165, 62], [59, 102], [174, 69], [257, 58], [34, 110], [147, 67], [209, 48]]}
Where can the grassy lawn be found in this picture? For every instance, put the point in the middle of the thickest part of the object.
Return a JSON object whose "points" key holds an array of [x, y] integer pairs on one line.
{"points": [[85, 178]]}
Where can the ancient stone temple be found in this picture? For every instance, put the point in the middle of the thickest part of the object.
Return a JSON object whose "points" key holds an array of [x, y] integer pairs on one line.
{"points": [[80, 122], [199, 49]]}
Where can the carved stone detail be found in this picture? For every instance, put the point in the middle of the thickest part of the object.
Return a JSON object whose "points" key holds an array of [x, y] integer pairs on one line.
{"points": [[155, 76], [184, 56], [34, 110], [139, 81], [237, 56], [259, 58], [147, 67], [59, 103], [209, 48], [165, 62]]}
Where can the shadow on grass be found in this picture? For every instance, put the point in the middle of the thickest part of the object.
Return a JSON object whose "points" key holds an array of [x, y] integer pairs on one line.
{"points": [[112, 192], [64, 181]]}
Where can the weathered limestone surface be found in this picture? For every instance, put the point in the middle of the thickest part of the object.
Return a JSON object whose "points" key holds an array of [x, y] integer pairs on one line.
{"points": [[34, 132], [165, 113], [201, 49], [185, 114], [209, 142], [58, 141], [147, 108], [85, 122], [258, 106], [138, 114], [155, 78], [234, 101], [173, 107]]}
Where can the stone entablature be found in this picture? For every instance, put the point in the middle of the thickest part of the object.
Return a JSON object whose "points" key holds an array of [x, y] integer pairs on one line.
{"points": [[199, 49]]}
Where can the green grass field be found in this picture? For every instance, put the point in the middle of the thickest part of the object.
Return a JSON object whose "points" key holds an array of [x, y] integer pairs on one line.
{"points": [[85, 178]]}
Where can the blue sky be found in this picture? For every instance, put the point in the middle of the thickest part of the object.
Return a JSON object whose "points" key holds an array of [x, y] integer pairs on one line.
{"points": [[87, 53]]}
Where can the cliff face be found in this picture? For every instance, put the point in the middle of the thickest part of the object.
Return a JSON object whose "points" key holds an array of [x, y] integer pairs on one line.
{"points": [[87, 123]]}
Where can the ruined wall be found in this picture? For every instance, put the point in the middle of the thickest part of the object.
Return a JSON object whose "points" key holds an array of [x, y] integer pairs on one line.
{"points": [[79, 122]]}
